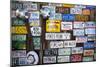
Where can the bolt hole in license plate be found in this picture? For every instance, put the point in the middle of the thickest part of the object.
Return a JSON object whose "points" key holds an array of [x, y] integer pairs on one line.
{"points": [[52, 33]]}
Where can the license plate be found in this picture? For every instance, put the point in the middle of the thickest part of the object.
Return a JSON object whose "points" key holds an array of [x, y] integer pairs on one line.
{"points": [[90, 31], [69, 43], [19, 30], [58, 16], [78, 24], [49, 59], [33, 22], [91, 37], [18, 37], [68, 5], [76, 10], [56, 44], [90, 24], [36, 31], [50, 52], [77, 50], [52, 26], [64, 51], [37, 42], [81, 17], [80, 6], [18, 53], [78, 32], [86, 12], [68, 17], [62, 10], [66, 25], [17, 22], [88, 52], [81, 39], [22, 61], [75, 58], [87, 59], [63, 59], [34, 15], [88, 45], [57, 36]]}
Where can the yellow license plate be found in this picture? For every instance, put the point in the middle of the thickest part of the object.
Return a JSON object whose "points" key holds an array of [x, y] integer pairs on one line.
{"points": [[81, 17], [52, 26]]}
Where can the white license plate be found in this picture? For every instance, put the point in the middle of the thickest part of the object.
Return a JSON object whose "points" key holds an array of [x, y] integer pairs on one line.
{"points": [[22, 61], [90, 31], [34, 15], [78, 24], [64, 51], [63, 59], [69, 43], [19, 53], [88, 52], [90, 24], [77, 50], [49, 59], [81, 39], [57, 36], [66, 25], [78, 32], [76, 10], [56, 44], [19, 37], [87, 59], [36, 31]]}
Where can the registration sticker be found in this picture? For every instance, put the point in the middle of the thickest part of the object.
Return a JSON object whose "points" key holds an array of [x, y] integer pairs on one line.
{"points": [[90, 31], [66, 25], [78, 24], [68, 17], [63, 59], [52, 26], [88, 45], [56, 44], [76, 58], [34, 15], [49, 59], [18, 37], [50, 52], [88, 58], [77, 50], [37, 42], [69, 43], [57, 36], [19, 30], [36, 31], [88, 52], [18, 53], [76, 10], [64, 51], [90, 24], [78, 32], [81, 39]]}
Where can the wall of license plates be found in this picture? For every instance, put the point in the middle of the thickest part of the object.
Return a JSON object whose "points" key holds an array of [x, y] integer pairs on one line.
{"points": [[52, 33]]}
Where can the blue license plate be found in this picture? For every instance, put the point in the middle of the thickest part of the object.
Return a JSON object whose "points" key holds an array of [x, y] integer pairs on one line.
{"points": [[68, 17]]}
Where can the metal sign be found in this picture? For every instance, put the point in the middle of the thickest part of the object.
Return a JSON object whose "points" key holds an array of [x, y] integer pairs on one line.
{"points": [[66, 25], [70, 43], [49, 59], [78, 32], [19, 30], [52, 26], [78, 24], [90, 31], [68, 17], [57, 36], [76, 10], [75, 58], [77, 50], [56, 44], [50, 52], [89, 52], [64, 51], [63, 59], [81, 39], [36, 31]]}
